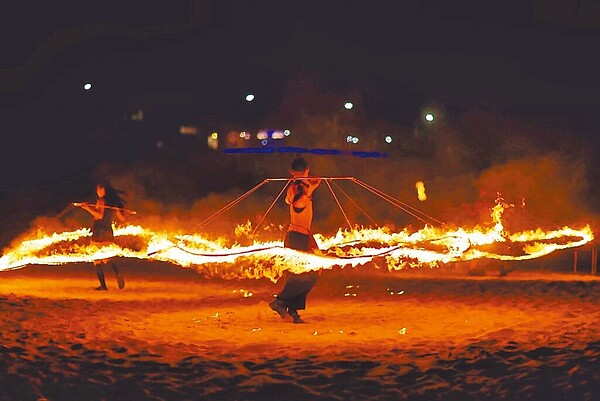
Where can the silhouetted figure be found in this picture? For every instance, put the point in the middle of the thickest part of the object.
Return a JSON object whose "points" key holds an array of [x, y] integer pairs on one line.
{"points": [[292, 296], [109, 204]]}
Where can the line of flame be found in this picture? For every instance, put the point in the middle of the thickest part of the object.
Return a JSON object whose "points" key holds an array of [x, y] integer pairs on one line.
{"points": [[426, 247]]}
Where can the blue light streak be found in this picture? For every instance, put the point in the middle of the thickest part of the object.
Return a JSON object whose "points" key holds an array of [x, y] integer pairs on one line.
{"points": [[293, 149]]}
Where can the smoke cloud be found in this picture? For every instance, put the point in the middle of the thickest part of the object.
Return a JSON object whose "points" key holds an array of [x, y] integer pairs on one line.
{"points": [[466, 160]]}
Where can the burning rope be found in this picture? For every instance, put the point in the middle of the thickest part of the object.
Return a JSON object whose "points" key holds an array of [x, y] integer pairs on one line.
{"points": [[354, 203], [405, 207], [271, 207], [229, 206], [339, 205], [395, 202]]}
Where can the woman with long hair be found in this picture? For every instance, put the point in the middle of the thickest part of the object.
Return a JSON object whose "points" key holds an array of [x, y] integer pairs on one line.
{"points": [[109, 204]]}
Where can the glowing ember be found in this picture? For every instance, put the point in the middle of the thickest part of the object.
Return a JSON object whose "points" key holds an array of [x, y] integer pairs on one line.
{"points": [[420, 186]]}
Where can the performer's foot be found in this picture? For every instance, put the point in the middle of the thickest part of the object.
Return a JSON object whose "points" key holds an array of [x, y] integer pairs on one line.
{"points": [[101, 288], [121, 281], [277, 307], [296, 317]]}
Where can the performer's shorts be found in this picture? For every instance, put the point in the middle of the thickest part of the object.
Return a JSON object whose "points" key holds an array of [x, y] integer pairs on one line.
{"points": [[102, 233], [299, 241]]}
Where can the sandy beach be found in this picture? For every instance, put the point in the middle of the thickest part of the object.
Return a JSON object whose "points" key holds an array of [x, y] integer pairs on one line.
{"points": [[370, 335]]}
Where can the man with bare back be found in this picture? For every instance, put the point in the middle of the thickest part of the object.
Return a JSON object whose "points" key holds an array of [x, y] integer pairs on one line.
{"points": [[293, 295]]}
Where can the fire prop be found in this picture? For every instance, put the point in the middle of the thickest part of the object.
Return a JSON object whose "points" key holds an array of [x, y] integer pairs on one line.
{"points": [[430, 246]]}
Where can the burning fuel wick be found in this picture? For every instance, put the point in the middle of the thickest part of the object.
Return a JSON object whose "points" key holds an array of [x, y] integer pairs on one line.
{"points": [[420, 186], [79, 204]]}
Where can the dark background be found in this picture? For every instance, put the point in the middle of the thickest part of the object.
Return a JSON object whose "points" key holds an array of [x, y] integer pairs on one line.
{"points": [[492, 70]]}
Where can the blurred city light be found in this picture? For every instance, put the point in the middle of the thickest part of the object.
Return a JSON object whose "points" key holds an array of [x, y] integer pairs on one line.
{"points": [[188, 130], [352, 139], [348, 105], [429, 117], [138, 115], [87, 86], [276, 134], [388, 139], [213, 141], [261, 135], [272, 134], [249, 97]]}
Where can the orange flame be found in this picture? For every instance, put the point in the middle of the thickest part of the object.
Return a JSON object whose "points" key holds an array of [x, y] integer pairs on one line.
{"points": [[428, 246], [421, 195]]}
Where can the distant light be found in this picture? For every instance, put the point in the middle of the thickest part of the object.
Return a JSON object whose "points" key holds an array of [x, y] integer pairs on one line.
{"points": [[276, 134], [260, 135], [249, 97], [264, 142], [429, 117], [352, 139], [388, 139], [87, 86], [138, 115], [286, 132], [188, 130], [348, 105], [213, 141]]}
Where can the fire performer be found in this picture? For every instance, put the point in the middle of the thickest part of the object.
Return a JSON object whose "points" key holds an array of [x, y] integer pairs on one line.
{"points": [[109, 204], [292, 296]]}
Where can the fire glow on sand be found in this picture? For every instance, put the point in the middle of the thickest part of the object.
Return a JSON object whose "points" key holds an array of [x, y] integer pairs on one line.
{"points": [[431, 246]]}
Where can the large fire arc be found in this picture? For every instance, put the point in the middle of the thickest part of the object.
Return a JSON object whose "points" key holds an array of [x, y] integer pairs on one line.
{"points": [[435, 244]]}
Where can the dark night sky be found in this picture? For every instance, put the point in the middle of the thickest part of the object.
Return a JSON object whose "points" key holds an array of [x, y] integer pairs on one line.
{"points": [[180, 59]]}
